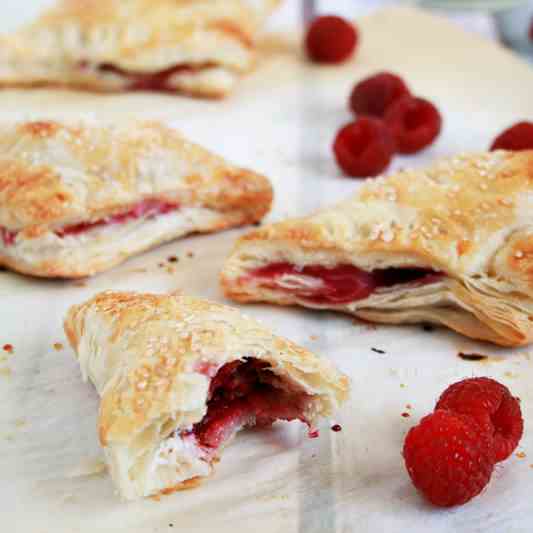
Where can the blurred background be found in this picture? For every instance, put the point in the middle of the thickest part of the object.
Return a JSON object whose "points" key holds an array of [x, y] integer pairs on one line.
{"points": [[508, 21]]}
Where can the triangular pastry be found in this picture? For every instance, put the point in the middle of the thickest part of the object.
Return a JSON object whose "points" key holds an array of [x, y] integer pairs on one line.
{"points": [[199, 47], [179, 377], [451, 244], [78, 199]]}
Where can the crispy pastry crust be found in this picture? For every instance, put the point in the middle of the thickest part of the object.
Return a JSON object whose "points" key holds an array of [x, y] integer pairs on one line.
{"points": [[54, 175], [142, 352], [469, 216], [214, 39]]}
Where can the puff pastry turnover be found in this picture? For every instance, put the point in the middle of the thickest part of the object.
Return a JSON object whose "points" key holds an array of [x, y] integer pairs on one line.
{"points": [[451, 245], [200, 47], [179, 377], [78, 199]]}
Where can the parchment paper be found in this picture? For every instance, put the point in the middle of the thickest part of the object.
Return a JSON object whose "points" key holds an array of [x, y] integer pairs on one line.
{"points": [[281, 122]]}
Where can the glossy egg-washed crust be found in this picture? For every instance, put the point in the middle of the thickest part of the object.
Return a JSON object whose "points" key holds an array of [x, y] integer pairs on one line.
{"points": [[54, 175], [469, 216], [139, 36], [142, 352]]}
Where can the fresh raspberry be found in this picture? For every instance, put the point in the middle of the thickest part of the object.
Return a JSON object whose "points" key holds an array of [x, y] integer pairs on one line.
{"points": [[364, 148], [517, 137], [331, 39], [449, 458], [414, 122], [493, 407], [374, 95]]}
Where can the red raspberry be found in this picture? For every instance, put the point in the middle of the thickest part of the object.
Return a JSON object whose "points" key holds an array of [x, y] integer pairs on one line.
{"points": [[449, 458], [517, 137], [374, 95], [364, 148], [493, 407], [414, 122], [331, 39]]}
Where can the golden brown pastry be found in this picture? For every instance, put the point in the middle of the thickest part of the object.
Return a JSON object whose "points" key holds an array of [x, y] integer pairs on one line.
{"points": [[179, 377], [198, 47], [78, 199], [451, 244]]}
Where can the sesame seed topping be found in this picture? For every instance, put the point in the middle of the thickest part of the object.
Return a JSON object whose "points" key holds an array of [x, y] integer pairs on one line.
{"points": [[141, 385], [519, 254]]}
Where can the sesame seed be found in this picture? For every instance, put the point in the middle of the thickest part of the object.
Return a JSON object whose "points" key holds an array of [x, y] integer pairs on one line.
{"points": [[519, 254], [141, 385]]}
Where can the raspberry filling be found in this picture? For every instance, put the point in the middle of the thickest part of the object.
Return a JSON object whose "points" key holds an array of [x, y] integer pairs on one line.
{"points": [[246, 393], [147, 81], [341, 284], [148, 209]]}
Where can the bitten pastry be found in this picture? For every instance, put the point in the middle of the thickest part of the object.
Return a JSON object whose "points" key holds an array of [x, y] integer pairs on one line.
{"points": [[78, 199], [179, 377], [451, 245], [199, 47]]}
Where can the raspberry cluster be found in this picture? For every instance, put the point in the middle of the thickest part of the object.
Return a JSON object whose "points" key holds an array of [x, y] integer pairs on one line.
{"points": [[400, 122], [450, 455]]}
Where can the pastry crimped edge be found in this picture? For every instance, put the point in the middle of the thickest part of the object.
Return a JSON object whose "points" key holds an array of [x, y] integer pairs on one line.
{"points": [[141, 352], [215, 40], [58, 174], [469, 217]]}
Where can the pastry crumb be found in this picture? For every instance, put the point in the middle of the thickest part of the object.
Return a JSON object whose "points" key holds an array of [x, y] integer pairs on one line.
{"points": [[521, 455], [313, 337], [408, 406], [20, 422], [172, 259], [402, 385], [171, 270], [6, 371], [510, 374], [190, 254], [405, 414], [80, 283], [58, 346], [472, 356], [8, 348]]}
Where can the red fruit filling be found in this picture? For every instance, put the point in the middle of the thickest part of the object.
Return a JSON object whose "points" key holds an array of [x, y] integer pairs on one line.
{"points": [[147, 81], [414, 123], [364, 148], [375, 94], [147, 208], [515, 138], [246, 393], [331, 39], [338, 285]]}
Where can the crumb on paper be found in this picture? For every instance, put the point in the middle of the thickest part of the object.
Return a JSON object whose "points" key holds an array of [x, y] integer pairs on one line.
{"points": [[6, 371], [8, 348], [80, 283], [171, 270], [161, 265], [408, 406], [521, 455], [314, 337], [402, 385], [20, 422], [58, 346], [510, 374], [472, 356], [139, 270], [405, 414], [172, 259], [190, 255], [89, 466]]}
